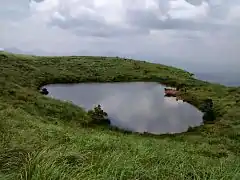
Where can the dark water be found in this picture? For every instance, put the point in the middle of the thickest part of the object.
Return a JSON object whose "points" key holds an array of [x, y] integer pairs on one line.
{"points": [[139, 107]]}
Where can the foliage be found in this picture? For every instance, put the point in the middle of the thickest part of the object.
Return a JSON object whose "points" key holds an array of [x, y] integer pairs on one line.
{"points": [[208, 110], [209, 115], [98, 116], [43, 138], [44, 91]]}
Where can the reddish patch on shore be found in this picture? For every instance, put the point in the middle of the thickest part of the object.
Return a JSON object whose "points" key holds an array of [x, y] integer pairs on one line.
{"points": [[170, 92]]}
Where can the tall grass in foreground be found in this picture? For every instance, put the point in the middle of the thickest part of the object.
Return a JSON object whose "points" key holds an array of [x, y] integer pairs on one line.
{"points": [[41, 150], [58, 164]]}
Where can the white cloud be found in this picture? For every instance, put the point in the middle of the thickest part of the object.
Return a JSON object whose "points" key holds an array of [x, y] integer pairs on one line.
{"points": [[182, 10], [194, 32]]}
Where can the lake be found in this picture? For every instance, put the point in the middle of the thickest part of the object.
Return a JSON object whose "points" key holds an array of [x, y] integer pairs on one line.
{"points": [[138, 107]]}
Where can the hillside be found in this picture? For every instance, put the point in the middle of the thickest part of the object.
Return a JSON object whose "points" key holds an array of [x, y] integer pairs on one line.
{"points": [[42, 138]]}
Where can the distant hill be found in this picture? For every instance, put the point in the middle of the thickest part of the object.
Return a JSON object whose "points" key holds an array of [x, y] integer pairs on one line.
{"points": [[225, 78], [228, 79]]}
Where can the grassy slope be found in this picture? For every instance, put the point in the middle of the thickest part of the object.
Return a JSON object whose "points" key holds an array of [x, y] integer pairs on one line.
{"points": [[43, 138]]}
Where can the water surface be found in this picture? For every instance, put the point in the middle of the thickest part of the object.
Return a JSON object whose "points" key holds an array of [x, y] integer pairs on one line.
{"points": [[139, 106]]}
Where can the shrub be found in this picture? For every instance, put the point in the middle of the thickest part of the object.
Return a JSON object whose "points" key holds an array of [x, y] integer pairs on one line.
{"points": [[209, 115], [98, 116], [207, 108]]}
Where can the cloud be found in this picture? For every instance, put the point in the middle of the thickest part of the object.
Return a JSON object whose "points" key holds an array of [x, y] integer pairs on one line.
{"points": [[106, 18], [189, 32], [37, 0], [13, 9]]}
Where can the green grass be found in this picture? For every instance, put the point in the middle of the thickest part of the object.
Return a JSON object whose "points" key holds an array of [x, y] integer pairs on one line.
{"points": [[42, 138]]}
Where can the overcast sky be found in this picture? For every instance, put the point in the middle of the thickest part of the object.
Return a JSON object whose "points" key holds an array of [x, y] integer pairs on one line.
{"points": [[189, 33]]}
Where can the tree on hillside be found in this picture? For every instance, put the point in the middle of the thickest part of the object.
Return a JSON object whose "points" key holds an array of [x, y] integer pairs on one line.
{"points": [[207, 108], [98, 116]]}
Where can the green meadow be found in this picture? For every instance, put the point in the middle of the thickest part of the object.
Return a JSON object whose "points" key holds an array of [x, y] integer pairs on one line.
{"points": [[46, 139]]}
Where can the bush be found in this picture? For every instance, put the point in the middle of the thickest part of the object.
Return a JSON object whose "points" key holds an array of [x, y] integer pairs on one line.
{"points": [[207, 105], [98, 116], [207, 108], [209, 115]]}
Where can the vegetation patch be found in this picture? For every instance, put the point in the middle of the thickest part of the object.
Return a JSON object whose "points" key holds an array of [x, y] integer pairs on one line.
{"points": [[98, 116], [43, 138]]}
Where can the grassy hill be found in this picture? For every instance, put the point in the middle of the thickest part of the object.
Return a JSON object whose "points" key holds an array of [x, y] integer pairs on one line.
{"points": [[42, 138]]}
